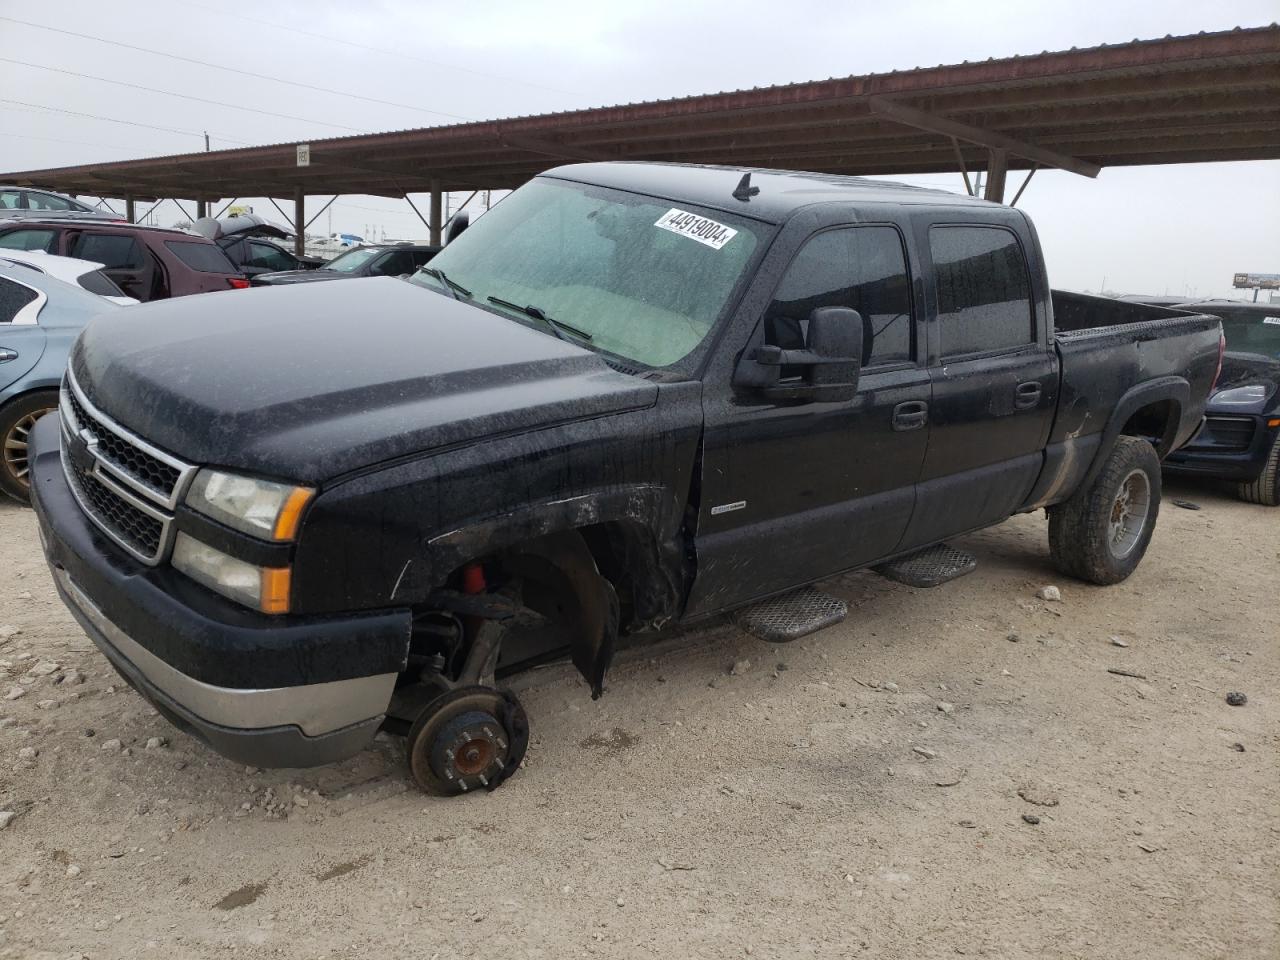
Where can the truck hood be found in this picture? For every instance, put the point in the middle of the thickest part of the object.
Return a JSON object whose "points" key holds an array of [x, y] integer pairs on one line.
{"points": [[310, 382]]}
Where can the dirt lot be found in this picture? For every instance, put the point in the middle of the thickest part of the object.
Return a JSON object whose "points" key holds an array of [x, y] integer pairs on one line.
{"points": [[862, 792]]}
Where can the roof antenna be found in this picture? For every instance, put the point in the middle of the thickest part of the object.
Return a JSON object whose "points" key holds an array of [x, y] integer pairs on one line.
{"points": [[744, 191]]}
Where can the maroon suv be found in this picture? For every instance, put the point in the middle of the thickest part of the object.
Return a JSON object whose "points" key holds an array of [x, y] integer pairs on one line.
{"points": [[147, 263]]}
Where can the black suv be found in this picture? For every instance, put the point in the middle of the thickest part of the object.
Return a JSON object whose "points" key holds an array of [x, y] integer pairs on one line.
{"points": [[249, 242], [1240, 440], [375, 260]]}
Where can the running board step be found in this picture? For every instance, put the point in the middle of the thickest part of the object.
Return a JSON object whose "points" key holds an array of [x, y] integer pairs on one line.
{"points": [[930, 567], [792, 615]]}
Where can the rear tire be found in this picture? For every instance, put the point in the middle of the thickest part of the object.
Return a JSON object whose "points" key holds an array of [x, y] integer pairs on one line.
{"points": [[1102, 533], [16, 421], [1266, 489]]}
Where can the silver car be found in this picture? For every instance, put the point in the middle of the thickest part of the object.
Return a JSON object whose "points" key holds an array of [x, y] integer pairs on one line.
{"points": [[20, 203]]}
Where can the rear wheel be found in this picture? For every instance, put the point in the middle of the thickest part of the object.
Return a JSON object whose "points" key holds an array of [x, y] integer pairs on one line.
{"points": [[16, 421], [1101, 534], [1266, 489]]}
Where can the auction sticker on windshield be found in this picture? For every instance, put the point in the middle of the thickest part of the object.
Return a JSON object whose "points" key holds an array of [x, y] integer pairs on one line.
{"points": [[702, 229], [1272, 321]]}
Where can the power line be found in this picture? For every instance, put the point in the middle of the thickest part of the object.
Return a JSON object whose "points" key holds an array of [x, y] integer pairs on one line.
{"points": [[245, 73], [382, 50], [74, 143], [130, 123], [183, 96]]}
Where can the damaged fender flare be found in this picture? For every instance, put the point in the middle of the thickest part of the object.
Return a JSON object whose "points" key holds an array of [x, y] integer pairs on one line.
{"points": [[652, 512], [586, 602]]}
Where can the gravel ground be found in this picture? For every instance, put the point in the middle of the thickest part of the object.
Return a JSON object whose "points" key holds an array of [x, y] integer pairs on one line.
{"points": [[872, 790]]}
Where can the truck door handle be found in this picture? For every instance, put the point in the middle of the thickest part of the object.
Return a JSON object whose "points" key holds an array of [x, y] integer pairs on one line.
{"points": [[911, 415], [6, 354], [1028, 395]]}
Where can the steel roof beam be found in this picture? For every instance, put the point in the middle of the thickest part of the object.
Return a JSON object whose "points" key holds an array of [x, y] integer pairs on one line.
{"points": [[921, 120]]}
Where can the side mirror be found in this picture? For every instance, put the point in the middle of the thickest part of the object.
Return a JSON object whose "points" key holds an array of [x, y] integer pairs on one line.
{"points": [[827, 368], [457, 223]]}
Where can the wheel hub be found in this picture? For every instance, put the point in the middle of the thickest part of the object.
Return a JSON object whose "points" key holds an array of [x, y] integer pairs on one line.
{"points": [[468, 739]]}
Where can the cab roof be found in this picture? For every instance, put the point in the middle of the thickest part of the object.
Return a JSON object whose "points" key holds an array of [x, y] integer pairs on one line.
{"points": [[782, 192]]}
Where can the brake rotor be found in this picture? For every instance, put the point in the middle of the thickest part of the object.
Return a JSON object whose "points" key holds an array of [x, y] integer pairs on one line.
{"points": [[468, 739]]}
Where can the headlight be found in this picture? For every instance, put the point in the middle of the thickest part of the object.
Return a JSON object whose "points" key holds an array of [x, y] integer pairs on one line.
{"points": [[1240, 396], [261, 588], [261, 508]]}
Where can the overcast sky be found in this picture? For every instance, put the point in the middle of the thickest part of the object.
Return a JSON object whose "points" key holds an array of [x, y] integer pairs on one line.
{"points": [[1183, 229]]}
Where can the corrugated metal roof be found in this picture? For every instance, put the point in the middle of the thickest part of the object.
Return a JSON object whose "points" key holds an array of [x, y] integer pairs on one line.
{"points": [[1206, 96]]}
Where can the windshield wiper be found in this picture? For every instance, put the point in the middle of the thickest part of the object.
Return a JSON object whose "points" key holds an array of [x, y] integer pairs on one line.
{"points": [[555, 326], [453, 288]]}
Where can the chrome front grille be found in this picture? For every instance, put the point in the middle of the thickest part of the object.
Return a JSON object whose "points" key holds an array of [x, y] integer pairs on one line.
{"points": [[126, 486]]}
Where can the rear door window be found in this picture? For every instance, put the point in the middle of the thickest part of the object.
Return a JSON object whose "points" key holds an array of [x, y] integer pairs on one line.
{"points": [[10, 200], [112, 250], [29, 240], [13, 297], [48, 201], [983, 290], [204, 257]]}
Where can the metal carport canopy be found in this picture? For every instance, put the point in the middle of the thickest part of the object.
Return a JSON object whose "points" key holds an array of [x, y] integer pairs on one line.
{"points": [[1205, 97]]}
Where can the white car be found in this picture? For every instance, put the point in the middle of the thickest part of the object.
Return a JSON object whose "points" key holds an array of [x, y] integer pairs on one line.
{"points": [[80, 273]]}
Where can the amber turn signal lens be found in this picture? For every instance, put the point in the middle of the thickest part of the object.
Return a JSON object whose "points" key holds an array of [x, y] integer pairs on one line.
{"points": [[275, 590], [291, 514], [1273, 423]]}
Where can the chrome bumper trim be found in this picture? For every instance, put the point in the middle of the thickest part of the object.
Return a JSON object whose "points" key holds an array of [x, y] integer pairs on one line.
{"points": [[315, 708]]}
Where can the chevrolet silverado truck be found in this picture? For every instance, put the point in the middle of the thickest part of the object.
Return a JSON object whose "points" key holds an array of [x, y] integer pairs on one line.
{"points": [[630, 396]]}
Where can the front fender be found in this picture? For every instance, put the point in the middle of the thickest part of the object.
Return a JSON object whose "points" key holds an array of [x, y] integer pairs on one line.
{"points": [[641, 505]]}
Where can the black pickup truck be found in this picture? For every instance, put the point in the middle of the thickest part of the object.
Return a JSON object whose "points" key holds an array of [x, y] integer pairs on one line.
{"points": [[629, 396]]}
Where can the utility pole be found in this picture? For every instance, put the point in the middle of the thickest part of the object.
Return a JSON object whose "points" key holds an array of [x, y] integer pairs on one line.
{"points": [[206, 141]]}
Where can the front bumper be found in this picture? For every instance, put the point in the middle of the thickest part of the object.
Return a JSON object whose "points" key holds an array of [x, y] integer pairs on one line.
{"points": [[1239, 458], [268, 691]]}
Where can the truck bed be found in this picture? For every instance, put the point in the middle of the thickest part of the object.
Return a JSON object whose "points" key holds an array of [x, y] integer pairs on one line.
{"points": [[1110, 353], [1082, 314]]}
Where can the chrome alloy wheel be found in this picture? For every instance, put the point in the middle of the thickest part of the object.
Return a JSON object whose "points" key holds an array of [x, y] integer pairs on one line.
{"points": [[15, 446], [1129, 514]]}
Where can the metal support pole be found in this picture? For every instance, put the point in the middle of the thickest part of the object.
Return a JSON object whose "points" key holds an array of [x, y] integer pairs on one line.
{"points": [[436, 219], [968, 187], [202, 209], [997, 167], [299, 222], [129, 211], [150, 210], [1018, 196], [322, 210]]}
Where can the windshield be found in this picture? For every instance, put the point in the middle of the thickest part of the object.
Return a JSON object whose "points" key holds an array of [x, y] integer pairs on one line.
{"points": [[628, 275], [352, 260], [1260, 334]]}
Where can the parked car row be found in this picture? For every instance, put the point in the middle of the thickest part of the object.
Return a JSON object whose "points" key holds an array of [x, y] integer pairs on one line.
{"points": [[374, 260], [632, 395], [150, 263]]}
